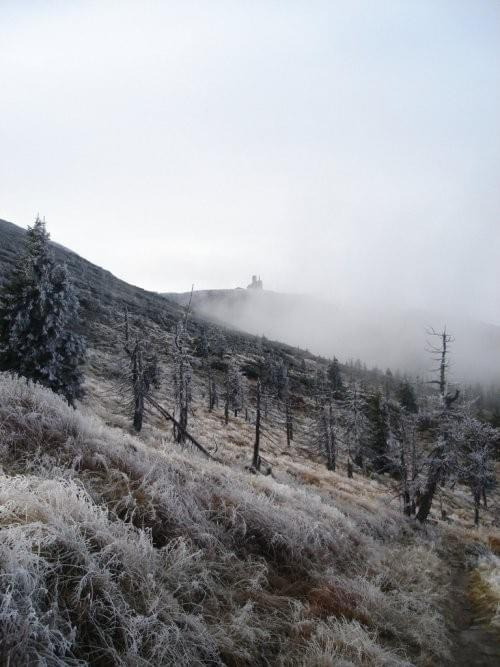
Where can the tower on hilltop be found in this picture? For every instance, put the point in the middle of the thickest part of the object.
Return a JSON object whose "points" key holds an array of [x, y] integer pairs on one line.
{"points": [[256, 283]]}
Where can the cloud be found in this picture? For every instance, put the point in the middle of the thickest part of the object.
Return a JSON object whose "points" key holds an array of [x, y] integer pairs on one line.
{"points": [[347, 148]]}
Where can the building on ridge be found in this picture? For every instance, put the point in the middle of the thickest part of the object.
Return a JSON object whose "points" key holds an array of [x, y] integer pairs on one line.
{"points": [[256, 283]]}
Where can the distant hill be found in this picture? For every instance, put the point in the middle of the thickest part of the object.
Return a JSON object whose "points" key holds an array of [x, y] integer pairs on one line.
{"points": [[383, 338]]}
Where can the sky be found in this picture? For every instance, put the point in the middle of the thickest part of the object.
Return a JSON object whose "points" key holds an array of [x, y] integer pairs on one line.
{"points": [[349, 149]]}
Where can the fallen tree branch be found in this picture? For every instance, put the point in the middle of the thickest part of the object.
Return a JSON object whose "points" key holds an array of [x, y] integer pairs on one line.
{"points": [[171, 418]]}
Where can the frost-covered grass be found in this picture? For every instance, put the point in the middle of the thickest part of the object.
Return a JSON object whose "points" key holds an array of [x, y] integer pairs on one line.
{"points": [[115, 550]]}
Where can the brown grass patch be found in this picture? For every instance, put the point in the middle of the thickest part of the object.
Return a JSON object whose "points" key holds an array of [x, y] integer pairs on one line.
{"points": [[494, 544], [309, 478], [482, 597], [333, 601]]}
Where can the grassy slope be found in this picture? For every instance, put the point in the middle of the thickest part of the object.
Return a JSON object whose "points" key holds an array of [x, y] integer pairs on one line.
{"points": [[124, 550], [115, 549]]}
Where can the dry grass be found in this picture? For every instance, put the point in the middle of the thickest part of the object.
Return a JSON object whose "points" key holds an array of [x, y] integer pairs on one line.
{"points": [[121, 550], [484, 590]]}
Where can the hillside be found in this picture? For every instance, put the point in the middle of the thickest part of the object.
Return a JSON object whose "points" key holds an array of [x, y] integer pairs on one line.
{"points": [[104, 298], [118, 548], [379, 336], [101, 294]]}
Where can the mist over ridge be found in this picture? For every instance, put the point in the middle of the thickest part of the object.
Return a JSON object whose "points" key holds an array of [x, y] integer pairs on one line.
{"points": [[378, 335]]}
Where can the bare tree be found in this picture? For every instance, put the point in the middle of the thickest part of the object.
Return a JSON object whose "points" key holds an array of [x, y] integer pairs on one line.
{"points": [[323, 437], [143, 373], [288, 411], [404, 455], [355, 426], [182, 373], [328, 436], [442, 454], [440, 355], [213, 398], [256, 447], [143, 378]]}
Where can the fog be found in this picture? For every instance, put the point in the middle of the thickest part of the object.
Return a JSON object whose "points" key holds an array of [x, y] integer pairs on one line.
{"points": [[349, 150], [380, 337]]}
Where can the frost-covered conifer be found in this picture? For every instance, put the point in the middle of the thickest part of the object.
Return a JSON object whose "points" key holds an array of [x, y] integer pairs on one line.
{"points": [[38, 312], [378, 433], [335, 378], [274, 374], [406, 397], [202, 345], [476, 467]]}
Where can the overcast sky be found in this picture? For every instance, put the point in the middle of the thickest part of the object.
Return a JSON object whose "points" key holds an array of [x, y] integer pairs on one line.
{"points": [[345, 148]]}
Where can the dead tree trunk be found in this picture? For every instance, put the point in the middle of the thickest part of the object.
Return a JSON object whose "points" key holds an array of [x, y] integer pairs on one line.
{"points": [[425, 502], [443, 364], [183, 399], [407, 507], [333, 439], [215, 395], [404, 487], [288, 421], [177, 425], [477, 505], [327, 436], [143, 374], [137, 374], [438, 460], [332, 445], [226, 405], [210, 390], [183, 377], [256, 447]]}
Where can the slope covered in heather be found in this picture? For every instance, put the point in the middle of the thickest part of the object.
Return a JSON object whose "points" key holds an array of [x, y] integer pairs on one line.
{"points": [[118, 551]]}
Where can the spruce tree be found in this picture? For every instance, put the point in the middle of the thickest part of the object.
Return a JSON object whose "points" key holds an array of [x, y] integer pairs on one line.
{"points": [[406, 397], [38, 310], [378, 432], [335, 378]]}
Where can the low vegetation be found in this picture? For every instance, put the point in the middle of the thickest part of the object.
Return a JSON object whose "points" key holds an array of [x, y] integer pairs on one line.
{"points": [[114, 551]]}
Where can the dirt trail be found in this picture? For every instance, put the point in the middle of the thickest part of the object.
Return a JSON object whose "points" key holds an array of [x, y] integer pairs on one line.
{"points": [[475, 644]]}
